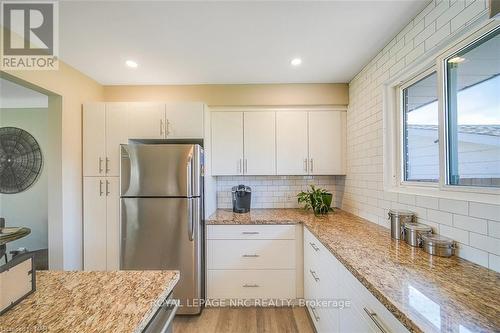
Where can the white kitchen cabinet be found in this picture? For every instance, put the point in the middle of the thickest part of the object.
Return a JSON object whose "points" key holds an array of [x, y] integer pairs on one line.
{"points": [[116, 133], [94, 226], [327, 142], [251, 262], [227, 143], [184, 120], [146, 120], [326, 278], [113, 223], [101, 223], [291, 143], [259, 143], [94, 138]]}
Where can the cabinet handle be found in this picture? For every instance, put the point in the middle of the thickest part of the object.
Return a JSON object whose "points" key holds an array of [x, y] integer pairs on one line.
{"points": [[167, 130], [373, 316], [314, 246], [250, 256], [316, 317], [240, 170], [313, 273], [100, 165], [107, 188], [312, 165], [305, 164], [161, 126], [250, 232], [245, 165], [107, 165], [100, 188], [251, 286]]}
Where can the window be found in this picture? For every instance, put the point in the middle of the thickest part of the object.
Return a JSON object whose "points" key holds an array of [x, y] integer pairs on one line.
{"points": [[473, 113], [420, 130]]}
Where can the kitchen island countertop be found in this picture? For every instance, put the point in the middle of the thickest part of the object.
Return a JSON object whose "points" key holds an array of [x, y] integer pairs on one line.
{"points": [[120, 301], [426, 293]]}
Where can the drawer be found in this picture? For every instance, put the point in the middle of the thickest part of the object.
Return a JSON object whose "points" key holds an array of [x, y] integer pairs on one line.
{"points": [[251, 284], [251, 231], [318, 258], [325, 320], [251, 254]]}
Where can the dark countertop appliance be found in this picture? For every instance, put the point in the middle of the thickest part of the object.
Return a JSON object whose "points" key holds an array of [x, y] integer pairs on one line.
{"points": [[242, 197]]}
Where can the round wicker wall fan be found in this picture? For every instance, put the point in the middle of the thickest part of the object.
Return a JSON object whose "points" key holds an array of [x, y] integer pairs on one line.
{"points": [[20, 160]]}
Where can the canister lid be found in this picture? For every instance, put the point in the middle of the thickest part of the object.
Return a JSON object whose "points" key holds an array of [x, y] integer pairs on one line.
{"points": [[401, 212], [417, 227], [437, 240]]}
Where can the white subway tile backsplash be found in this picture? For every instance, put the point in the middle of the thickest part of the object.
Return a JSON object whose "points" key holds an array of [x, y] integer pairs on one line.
{"points": [[454, 206], [459, 235], [427, 202], [440, 216], [470, 223], [494, 229], [494, 262], [485, 211], [477, 256], [488, 244]]}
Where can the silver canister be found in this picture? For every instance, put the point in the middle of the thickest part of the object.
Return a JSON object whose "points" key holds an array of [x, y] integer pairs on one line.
{"points": [[398, 219], [437, 245], [413, 233]]}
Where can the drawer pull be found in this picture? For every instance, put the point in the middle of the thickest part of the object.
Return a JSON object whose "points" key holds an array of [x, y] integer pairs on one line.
{"points": [[251, 286], [314, 246], [373, 316], [250, 232], [313, 273], [316, 317], [250, 256]]}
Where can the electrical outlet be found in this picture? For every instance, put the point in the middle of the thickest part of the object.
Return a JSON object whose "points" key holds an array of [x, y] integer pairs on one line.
{"points": [[289, 197]]}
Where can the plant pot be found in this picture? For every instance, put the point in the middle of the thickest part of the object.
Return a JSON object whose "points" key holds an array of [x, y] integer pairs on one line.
{"points": [[327, 199]]}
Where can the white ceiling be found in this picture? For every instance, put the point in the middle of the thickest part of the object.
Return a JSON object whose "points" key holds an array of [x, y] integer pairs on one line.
{"points": [[13, 95], [228, 42]]}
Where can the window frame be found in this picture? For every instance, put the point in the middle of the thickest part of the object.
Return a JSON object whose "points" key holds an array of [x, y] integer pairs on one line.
{"points": [[434, 60], [401, 129]]}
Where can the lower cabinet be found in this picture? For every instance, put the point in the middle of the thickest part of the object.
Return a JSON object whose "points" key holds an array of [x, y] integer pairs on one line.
{"points": [[336, 300], [101, 229], [251, 262]]}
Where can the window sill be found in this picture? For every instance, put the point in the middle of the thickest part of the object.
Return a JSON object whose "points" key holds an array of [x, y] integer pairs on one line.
{"points": [[466, 194]]}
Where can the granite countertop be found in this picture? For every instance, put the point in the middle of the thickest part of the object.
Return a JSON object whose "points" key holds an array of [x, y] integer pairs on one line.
{"points": [[426, 293], [120, 301]]}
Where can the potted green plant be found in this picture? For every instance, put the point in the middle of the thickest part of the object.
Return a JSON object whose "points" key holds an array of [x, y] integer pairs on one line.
{"points": [[317, 199]]}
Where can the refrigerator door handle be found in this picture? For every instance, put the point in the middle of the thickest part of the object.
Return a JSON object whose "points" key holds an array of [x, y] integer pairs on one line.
{"points": [[191, 218], [189, 175]]}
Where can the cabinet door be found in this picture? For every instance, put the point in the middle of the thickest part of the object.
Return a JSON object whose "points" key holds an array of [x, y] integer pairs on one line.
{"points": [[116, 134], [146, 121], [227, 143], [327, 135], [94, 138], [94, 224], [291, 143], [259, 143], [112, 224], [184, 120]]}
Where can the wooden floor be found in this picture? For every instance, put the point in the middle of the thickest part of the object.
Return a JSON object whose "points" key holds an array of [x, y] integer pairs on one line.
{"points": [[246, 320]]}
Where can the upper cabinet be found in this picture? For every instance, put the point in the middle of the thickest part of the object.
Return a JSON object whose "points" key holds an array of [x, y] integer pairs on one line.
{"points": [[107, 125], [327, 142], [279, 142], [184, 120], [259, 147], [291, 143], [227, 143]]}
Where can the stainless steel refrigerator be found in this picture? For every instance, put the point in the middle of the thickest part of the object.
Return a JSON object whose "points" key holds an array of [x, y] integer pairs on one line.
{"points": [[162, 214]]}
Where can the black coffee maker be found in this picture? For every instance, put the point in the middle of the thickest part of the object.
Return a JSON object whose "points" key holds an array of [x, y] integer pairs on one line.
{"points": [[242, 197]]}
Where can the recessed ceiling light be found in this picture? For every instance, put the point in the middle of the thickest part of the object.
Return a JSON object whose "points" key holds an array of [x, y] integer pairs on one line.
{"points": [[296, 61], [456, 60], [131, 64]]}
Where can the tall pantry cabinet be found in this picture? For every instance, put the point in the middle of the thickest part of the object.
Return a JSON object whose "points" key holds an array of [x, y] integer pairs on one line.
{"points": [[105, 127]]}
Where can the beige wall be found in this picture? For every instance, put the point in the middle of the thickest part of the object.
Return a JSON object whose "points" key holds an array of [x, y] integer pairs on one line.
{"points": [[74, 88], [239, 94]]}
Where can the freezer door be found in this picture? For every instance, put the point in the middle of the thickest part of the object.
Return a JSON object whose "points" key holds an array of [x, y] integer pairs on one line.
{"points": [[161, 170], [165, 234]]}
